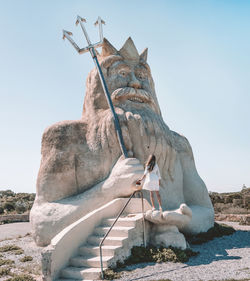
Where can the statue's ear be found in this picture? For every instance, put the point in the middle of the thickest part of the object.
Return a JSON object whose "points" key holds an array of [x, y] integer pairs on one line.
{"points": [[144, 55]]}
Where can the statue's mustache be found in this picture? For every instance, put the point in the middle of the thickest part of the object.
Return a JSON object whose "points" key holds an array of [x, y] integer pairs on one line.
{"points": [[133, 94]]}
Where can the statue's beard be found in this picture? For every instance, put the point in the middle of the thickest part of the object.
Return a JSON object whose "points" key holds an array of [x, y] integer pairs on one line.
{"points": [[144, 133]]}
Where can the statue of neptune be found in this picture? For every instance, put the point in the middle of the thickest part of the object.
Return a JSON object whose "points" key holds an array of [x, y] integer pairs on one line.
{"points": [[82, 168]]}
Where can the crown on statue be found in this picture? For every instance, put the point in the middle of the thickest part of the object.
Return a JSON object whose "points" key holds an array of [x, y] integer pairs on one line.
{"points": [[128, 51]]}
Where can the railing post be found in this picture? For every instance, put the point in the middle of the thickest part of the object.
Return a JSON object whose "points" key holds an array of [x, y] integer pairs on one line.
{"points": [[143, 221]]}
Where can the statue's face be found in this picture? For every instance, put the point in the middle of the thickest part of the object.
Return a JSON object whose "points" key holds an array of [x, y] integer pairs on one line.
{"points": [[128, 79], [131, 85]]}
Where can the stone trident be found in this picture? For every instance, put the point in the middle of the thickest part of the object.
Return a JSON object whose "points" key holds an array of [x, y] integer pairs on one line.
{"points": [[91, 48]]}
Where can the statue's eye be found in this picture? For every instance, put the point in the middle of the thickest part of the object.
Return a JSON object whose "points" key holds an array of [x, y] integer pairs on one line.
{"points": [[123, 73]]}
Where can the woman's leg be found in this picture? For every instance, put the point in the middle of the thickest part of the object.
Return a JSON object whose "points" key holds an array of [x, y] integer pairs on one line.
{"points": [[158, 198], [152, 199]]}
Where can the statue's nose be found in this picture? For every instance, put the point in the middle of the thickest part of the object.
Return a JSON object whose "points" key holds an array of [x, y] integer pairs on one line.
{"points": [[134, 82]]}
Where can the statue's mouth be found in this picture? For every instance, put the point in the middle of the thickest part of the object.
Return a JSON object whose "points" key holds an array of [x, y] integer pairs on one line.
{"points": [[131, 94], [135, 99]]}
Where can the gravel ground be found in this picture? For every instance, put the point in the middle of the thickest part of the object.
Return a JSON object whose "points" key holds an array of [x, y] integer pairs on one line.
{"points": [[222, 258], [30, 249]]}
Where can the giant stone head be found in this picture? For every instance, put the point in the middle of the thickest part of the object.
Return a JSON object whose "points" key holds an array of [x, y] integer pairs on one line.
{"points": [[128, 77]]}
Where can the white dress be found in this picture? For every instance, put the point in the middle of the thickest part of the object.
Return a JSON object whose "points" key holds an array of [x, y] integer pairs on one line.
{"points": [[152, 179]]}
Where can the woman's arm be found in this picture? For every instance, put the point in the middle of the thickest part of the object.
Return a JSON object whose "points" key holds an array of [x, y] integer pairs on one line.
{"points": [[139, 181], [142, 177]]}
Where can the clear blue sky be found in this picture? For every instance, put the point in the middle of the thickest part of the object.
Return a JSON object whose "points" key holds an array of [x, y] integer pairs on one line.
{"points": [[199, 52]]}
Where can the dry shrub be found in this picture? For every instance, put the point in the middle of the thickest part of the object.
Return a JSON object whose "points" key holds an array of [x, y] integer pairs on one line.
{"points": [[9, 248], [4, 271], [6, 262], [26, 258], [21, 277]]}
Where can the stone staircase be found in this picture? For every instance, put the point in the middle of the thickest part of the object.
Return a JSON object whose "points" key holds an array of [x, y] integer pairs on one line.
{"points": [[126, 233]]}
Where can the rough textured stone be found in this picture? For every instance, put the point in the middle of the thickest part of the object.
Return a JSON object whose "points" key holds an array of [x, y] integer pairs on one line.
{"points": [[76, 173], [168, 235]]}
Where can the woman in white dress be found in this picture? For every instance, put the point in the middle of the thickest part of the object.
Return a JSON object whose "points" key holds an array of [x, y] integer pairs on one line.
{"points": [[152, 181]]}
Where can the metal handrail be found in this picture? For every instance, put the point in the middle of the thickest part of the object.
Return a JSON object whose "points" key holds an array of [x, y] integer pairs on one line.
{"points": [[143, 221]]}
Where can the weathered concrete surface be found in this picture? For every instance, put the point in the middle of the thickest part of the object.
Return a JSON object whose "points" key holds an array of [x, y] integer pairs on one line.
{"points": [[65, 244], [78, 156]]}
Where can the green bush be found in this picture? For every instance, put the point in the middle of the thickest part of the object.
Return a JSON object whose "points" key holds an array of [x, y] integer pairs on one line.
{"points": [[19, 202], [6, 193], [21, 207], [9, 206], [141, 254]]}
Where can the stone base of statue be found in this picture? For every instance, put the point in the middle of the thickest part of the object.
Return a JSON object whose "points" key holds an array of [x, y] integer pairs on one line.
{"points": [[168, 235], [166, 225]]}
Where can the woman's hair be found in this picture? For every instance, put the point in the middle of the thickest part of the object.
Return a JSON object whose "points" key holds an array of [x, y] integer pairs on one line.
{"points": [[151, 162]]}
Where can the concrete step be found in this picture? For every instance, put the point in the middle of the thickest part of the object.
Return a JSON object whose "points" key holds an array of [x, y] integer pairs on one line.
{"points": [[113, 241], [124, 221], [81, 273], [117, 231], [95, 251], [86, 266], [88, 261]]}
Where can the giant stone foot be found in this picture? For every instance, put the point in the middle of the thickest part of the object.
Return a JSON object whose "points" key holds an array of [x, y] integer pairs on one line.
{"points": [[166, 225]]}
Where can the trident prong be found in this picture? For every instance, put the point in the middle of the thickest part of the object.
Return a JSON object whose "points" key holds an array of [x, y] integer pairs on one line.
{"points": [[78, 19], [91, 49], [100, 22], [67, 34], [81, 20]]}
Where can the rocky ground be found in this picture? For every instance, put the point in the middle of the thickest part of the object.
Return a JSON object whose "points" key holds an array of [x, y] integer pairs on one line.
{"points": [[225, 258], [23, 256]]}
